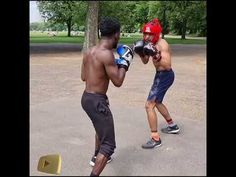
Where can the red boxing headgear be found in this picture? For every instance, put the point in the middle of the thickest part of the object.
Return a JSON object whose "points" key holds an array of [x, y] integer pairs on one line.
{"points": [[153, 27]]}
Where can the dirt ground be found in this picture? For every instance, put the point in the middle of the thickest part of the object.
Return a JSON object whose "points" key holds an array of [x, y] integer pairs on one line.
{"points": [[59, 125], [57, 74]]}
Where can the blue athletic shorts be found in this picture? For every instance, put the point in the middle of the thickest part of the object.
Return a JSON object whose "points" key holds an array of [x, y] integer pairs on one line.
{"points": [[162, 81]]}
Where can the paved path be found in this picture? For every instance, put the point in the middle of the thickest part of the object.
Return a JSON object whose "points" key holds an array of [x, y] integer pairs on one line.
{"points": [[59, 125]]}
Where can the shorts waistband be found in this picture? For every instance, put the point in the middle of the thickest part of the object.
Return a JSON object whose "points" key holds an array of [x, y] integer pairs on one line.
{"points": [[96, 94], [166, 70]]}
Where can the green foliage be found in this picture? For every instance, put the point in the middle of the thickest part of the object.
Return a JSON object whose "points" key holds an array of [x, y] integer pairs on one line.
{"points": [[160, 10], [176, 17], [187, 16], [141, 12], [121, 10], [63, 12], [38, 26]]}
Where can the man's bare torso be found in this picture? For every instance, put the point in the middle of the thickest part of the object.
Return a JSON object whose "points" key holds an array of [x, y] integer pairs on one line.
{"points": [[96, 78], [165, 62]]}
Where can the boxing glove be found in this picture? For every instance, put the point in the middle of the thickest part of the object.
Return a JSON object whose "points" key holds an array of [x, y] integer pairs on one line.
{"points": [[138, 47], [151, 50], [122, 63], [126, 56]]}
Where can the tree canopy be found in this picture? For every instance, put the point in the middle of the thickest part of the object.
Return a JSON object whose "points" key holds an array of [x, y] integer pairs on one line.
{"points": [[176, 17]]}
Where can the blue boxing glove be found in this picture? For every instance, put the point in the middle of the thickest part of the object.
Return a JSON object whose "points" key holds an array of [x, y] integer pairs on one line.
{"points": [[122, 63], [126, 56]]}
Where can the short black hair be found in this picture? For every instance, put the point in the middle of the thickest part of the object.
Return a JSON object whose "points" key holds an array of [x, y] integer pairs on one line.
{"points": [[109, 26]]}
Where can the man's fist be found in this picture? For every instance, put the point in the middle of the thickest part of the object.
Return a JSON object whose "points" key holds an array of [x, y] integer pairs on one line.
{"points": [[122, 63], [138, 47], [126, 56], [151, 50], [125, 52]]}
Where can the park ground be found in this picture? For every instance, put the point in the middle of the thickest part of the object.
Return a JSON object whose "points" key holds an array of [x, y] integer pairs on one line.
{"points": [[59, 125]]}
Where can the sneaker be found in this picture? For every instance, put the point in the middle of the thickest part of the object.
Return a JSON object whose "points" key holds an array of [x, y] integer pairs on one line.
{"points": [[151, 144], [92, 161], [171, 130]]}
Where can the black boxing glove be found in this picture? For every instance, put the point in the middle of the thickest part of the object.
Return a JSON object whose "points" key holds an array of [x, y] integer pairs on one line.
{"points": [[150, 50], [138, 47]]}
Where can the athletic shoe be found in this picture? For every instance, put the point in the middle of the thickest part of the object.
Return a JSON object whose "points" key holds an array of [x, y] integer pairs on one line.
{"points": [[92, 161], [171, 130], [151, 144]]}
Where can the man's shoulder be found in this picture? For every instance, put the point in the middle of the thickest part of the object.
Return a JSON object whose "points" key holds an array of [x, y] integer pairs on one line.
{"points": [[105, 55], [163, 44], [104, 52]]}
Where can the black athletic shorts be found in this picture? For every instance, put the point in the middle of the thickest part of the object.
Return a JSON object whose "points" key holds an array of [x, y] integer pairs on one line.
{"points": [[97, 108]]}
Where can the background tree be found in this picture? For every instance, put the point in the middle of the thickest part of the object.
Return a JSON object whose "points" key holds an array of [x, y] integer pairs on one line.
{"points": [[91, 25], [176, 17], [141, 12], [184, 14], [63, 12], [122, 11], [197, 22], [160, 10]]}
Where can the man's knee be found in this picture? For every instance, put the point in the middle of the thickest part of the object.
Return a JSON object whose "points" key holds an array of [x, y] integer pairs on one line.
{"points": [[150, 105], [107, 149]]}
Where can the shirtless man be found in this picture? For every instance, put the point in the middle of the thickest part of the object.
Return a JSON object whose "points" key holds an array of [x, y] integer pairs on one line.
{"points": [[157, 49], [98, 68]]}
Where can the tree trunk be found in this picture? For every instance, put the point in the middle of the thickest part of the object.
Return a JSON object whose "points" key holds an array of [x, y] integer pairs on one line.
{"points": [[184, 27], [69, 25], [163, 36], [164, 23], [91, 35], [69, 29]]}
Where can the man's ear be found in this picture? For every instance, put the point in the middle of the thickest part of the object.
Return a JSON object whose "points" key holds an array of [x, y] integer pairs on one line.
{"points": [[117, 35]]}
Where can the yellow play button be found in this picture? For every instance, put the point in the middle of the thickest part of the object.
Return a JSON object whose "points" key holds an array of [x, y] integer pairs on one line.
{"points": [[50, 164]]}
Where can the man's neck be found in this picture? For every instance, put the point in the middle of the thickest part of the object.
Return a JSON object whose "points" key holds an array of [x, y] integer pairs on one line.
{"points": [[106, 43]]}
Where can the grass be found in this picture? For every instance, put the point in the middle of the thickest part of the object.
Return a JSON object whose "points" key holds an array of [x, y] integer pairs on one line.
{"points": [[61, 37], [57, 39]]}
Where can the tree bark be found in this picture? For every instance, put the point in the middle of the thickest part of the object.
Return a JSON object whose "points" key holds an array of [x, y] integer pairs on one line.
{"points": [[69, 27], [184, 27], [91, 35]]}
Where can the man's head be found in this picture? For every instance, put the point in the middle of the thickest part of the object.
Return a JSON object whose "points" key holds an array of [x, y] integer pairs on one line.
{"points": [[110, 28], [152, 31]]}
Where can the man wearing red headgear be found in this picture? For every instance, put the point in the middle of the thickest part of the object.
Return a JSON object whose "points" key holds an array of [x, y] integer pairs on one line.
{"points": [[154, 48]]}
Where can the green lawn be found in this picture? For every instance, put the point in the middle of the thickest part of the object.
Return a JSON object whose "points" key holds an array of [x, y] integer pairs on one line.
{"points": [[61, 37]]}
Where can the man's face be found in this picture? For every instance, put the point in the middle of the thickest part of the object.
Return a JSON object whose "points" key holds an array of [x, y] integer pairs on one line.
{"points": [[117, 38], [148, 37]]}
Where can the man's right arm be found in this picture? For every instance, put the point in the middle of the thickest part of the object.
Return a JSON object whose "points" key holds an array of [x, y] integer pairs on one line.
{"points": [[82, 68], [115, 74]]}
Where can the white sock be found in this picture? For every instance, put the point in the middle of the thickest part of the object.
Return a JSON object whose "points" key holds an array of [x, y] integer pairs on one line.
{"points": [[172, 124]]}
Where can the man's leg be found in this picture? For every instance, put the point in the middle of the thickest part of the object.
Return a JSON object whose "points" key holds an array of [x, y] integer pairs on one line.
{"points": [[155, 140], [151, 115], [172, 126], [164, 112], [97, 145], [100, 163]]}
